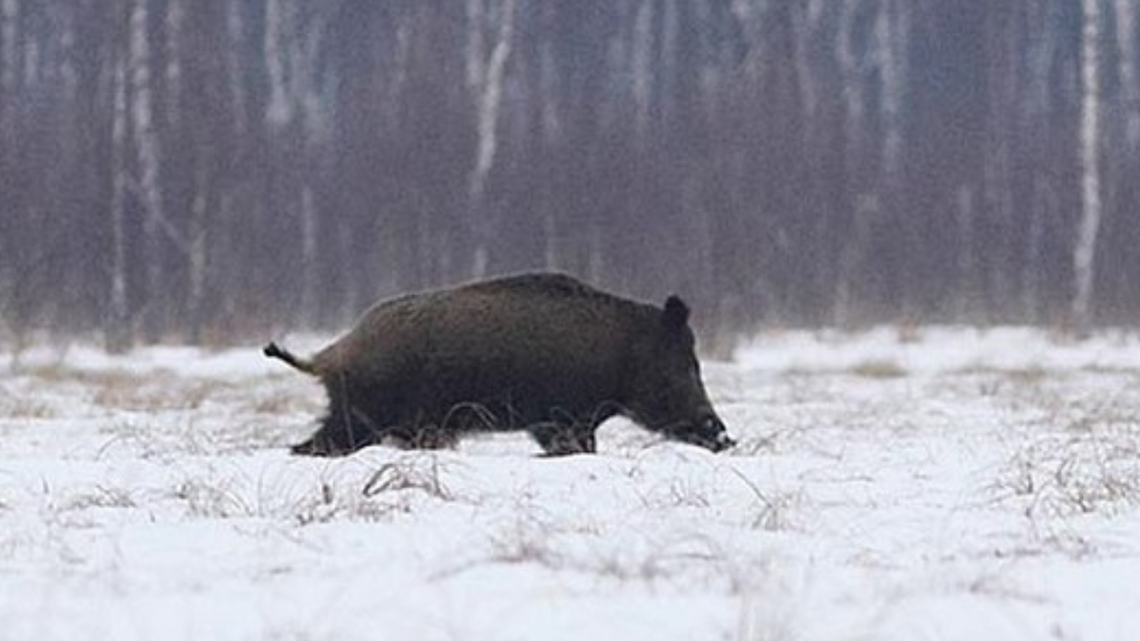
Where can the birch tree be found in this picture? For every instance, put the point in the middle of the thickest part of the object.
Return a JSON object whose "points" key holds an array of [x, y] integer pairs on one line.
{"points": [[891, 33], [488, 80], [642, 65], [235, 32], [9, 47], [1037, 113], [175, 17], [9, 70], [863, 206], [551, 127], [1129, 78], [297, 109], [148, 158], [117, 332], [1084, 251], [279, 109]]}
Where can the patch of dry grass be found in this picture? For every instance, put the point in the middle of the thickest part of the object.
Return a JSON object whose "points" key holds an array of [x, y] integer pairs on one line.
{"points": [[878, 369], [1056, 479], [26, 407]]}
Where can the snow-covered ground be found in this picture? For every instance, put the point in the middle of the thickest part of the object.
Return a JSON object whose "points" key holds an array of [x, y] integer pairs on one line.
{"points": [[928, 484]]}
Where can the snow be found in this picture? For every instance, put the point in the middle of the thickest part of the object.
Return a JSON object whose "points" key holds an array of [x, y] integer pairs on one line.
{"points": [[934, 483]]}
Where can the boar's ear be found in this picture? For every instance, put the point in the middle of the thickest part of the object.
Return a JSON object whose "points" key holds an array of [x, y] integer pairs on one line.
{"points": [[676, 313]]}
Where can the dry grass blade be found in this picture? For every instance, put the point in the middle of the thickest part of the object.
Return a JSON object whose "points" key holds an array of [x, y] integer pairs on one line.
{"points": [[404, 475]]}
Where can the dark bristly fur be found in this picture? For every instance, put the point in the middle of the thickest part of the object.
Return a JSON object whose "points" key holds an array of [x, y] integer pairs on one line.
{"points": [[543, 353]]}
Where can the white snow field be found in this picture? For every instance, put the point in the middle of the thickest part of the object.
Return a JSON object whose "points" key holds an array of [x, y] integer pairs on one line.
{"points": [[930, 484]]}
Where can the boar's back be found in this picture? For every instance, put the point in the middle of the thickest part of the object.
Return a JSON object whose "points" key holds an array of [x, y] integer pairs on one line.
{"points": [[539, 337]]}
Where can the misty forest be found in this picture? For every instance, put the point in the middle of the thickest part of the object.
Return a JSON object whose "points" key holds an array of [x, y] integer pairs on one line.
{"points": [[215, 170]]}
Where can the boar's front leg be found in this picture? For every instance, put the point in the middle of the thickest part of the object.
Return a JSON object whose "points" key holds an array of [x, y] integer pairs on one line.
{"points": [[422, 436], [563, 438]]}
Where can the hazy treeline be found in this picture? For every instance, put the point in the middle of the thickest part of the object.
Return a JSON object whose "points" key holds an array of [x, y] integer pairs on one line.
{"points": [[216, 168]]}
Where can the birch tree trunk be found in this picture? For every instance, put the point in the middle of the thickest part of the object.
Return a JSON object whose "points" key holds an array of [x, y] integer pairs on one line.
{"points": [[805, 19], [1084, 252], [148, 157], [642, 63], [965, 260], [310, 278], [490, 95], [9, 72], [175, 16], [235, 29], [863, 208], [997, 157], [9, 47], [198, 251], [1129, 78], [278, 109], [891, 31], [1038, 114], [475, 57], [551, 127], [117, 334]]}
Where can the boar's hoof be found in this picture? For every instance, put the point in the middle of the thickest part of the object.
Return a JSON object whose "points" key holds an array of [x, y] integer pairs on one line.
{"points": [[563, 440]]}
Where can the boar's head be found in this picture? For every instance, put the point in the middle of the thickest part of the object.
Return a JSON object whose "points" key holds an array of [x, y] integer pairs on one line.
{"points": [[666, 392]]}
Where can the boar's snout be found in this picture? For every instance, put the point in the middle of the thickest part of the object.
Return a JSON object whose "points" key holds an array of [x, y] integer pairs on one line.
{"points": [[708, 432]]}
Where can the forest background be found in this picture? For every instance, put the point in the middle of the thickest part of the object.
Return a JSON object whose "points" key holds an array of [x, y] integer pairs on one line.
{"points": [[218, 170]]}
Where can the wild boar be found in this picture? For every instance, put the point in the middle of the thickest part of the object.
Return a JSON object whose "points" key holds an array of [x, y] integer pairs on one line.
{"points": [[542, 352]]}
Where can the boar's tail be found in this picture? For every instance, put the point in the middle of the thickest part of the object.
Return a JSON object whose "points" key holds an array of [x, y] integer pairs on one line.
{"points": [[273, 350]]}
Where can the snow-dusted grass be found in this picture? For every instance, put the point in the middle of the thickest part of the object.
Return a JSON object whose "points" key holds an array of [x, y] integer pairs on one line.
{"points": [[933, 484]]}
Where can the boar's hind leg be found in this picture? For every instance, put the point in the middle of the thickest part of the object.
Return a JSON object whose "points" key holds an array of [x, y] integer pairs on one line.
{"points": [[343, 431], [561, 439]]}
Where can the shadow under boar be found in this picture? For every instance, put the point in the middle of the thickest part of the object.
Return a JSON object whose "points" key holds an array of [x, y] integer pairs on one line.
{"points": [[544, 353]]}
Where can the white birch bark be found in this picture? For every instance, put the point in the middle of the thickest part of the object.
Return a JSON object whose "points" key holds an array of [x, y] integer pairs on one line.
{"points": [[997, 161], [489, 101], [175, 17], [551, 131], [1129, 78], [667, 65], [401, 61], [864, 206], [116, 331], [31, 51], [642, 63], [476, 56], [198, 251], [805, 22], [551, 120], [60, 67], [1043, 208], [965, 259], [309, 85], [279, 109], [235, 29], [1036, 109], [292, 45], [9, 47], [891, 31], [146, 143], [853, 99], [750, 16], [310, 280], [1041, 51], [1084, 252]]}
